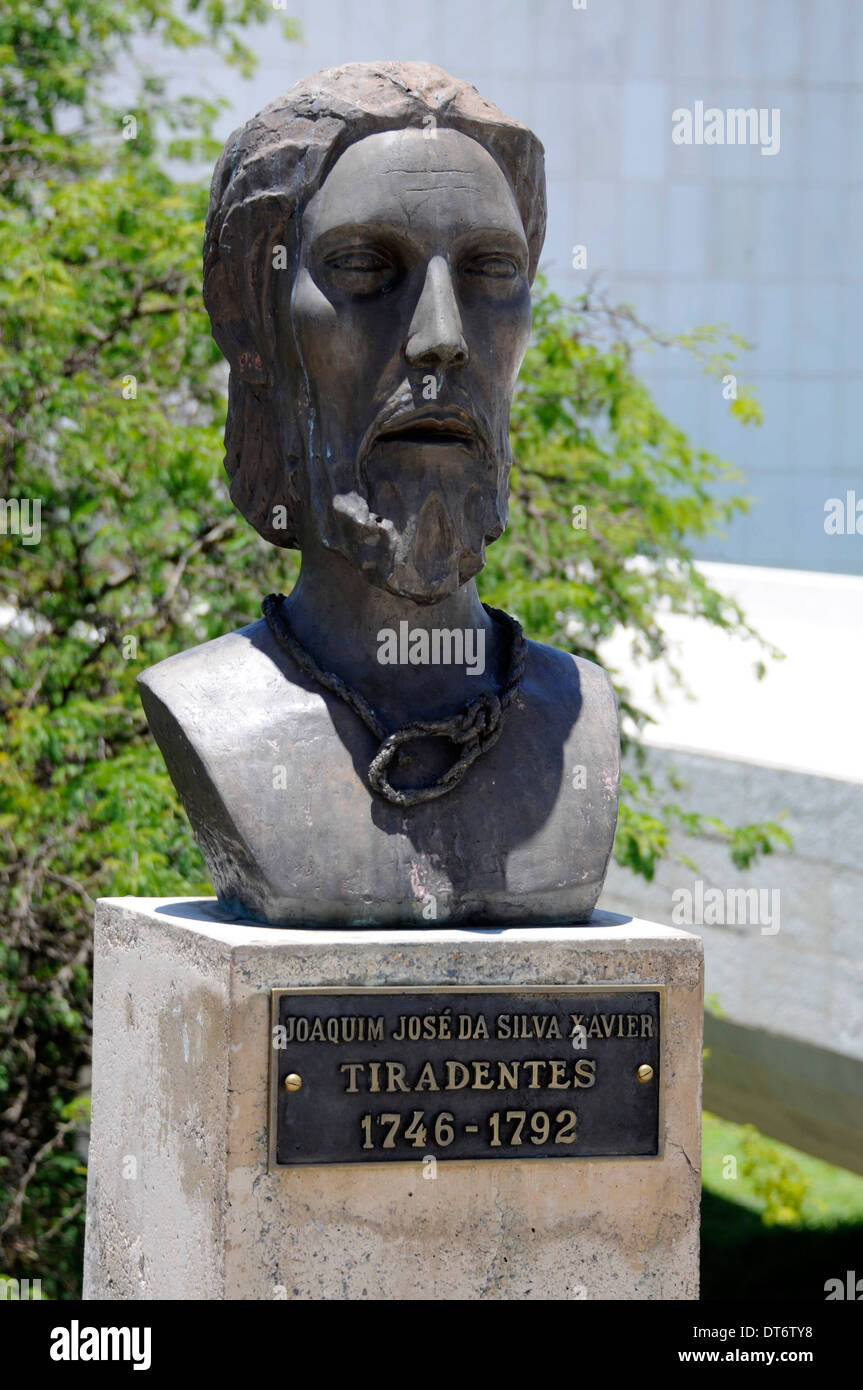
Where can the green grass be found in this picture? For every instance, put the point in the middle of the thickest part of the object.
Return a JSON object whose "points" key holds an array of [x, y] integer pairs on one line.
{"points": [[741, 1256], [834, 1195]]}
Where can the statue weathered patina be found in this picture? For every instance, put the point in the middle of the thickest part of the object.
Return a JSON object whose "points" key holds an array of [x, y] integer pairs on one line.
{"points": [[381, 747]]}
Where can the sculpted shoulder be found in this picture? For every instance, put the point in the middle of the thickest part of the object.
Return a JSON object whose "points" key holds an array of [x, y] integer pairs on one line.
{"points": [[555, 676], [238, 677]]}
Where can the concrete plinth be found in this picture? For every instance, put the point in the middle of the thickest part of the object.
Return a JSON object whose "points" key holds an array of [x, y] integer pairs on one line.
{"points": [[181, 1203]]}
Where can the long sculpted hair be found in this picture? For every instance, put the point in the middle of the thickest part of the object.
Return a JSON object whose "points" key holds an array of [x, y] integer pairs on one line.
{"points": [[268, 172]]}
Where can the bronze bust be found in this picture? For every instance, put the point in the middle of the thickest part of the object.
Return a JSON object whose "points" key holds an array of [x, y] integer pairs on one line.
{"points": [[381, 748]]}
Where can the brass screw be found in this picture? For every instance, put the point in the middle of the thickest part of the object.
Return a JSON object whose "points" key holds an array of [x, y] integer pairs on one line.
{"points": [[645, 1073], [293, 1082]]}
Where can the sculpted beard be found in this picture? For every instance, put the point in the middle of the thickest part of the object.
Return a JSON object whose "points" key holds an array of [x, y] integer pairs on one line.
{"points": [[414, 509]]}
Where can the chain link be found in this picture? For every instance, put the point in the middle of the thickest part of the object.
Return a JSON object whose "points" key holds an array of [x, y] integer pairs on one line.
{"points": [[475, 729]]}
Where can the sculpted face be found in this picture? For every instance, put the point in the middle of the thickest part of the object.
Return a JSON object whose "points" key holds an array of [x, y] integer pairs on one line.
{"points": [[406, 327]]}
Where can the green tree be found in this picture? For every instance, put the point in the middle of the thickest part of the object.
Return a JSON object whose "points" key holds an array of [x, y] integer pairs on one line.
{"points": [[112, 407], [608, 496], [111, 412]]}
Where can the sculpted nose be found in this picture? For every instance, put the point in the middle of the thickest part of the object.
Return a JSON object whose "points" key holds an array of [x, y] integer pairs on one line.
{"points": [[435, 337]]}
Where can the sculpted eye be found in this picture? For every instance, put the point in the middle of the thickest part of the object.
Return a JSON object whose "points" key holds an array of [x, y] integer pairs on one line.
{"points": [[499, 267], [362, 262], [360, 270]]}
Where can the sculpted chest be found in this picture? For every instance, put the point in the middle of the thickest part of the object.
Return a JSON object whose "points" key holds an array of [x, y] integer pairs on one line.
{"points": [[272, 771]]}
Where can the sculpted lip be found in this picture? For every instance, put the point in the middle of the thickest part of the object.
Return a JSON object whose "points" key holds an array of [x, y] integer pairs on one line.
{"points": [[432, 426]]}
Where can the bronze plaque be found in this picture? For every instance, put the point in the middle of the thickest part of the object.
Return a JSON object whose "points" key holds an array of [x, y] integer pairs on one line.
{"points": [[401, 1075]]}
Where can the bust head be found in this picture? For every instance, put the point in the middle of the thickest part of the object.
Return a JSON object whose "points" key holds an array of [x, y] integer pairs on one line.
{"points": [[370, 245]]}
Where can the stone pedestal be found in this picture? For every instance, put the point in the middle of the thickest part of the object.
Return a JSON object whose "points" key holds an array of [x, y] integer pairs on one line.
{"points": [[181, 1203]]}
